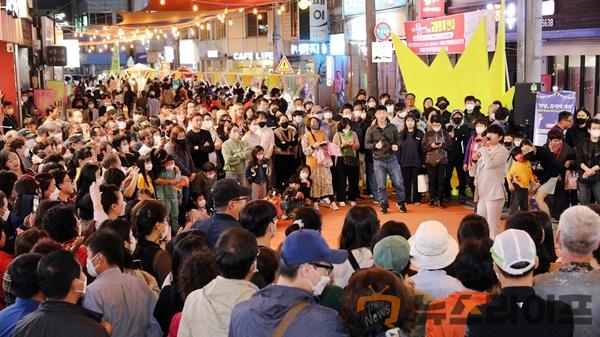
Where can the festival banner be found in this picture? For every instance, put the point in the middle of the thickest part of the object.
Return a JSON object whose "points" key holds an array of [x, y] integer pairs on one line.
{"points": [[547, 108], [452, 32]]}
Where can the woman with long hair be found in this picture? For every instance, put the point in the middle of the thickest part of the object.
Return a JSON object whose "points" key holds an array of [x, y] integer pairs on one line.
{"points": [[10, 160], [314, 146]]}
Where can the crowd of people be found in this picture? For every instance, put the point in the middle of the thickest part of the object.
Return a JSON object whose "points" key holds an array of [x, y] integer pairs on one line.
{"points": [[150, 212]]}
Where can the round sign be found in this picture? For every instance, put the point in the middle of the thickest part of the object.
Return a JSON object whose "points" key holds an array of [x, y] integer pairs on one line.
{"points": [[382, 31]]}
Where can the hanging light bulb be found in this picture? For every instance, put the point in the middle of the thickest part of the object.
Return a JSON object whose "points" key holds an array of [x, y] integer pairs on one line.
{"points": [[230, 22], [195, 8], [197, 24], [122, 47], [202, 26], [131, 46], [279, 12], [121, 32], [259, 17], [255, 11], [208, 26], [282, 8], [191, 32], [240, 10], [304, 4], [162, 2]]}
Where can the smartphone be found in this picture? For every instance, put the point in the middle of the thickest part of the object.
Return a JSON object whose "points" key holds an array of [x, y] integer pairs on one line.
{"points": [[36, 203]]}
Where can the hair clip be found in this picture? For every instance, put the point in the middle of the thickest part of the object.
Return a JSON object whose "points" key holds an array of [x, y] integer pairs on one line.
{"points": [[299, 223]]}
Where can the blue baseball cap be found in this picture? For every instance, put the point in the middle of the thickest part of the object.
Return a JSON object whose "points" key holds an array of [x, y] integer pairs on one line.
{"points": [[308, 245]]}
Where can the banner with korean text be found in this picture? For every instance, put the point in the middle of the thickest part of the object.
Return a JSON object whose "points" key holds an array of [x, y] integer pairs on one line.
{"points": [[547, 108]]}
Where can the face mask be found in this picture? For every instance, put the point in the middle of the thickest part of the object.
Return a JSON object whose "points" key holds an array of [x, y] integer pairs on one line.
{"points": [[262, 124], [320, 286], [479, 129], [443, 106], [581, 121], [103, 138], [314, 127], [357, 113], [319, 116], [389, 108], [148, 166], [54, 195], [298, 119], [304, 175], [170, 167], [529, 156], [125, 148], [457, 120], [436, 128], [90, 107], [517, 143], [328, 115], [363, 115], [207, 125], [84, 281], [90, 267], [121, 125], [284, 125], [371, 104], [254, 128], [180, 142], [595, 133], [507, 144], [470, 106], [403, 114], [210, 176]]}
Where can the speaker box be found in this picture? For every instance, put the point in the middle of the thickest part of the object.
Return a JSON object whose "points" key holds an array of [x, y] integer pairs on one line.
{"points": [[524, 106]]}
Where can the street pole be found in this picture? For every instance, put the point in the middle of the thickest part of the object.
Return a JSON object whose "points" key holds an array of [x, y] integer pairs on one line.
{"points": [[277, 42], [533, 41], [371, 67], [521, 28]]}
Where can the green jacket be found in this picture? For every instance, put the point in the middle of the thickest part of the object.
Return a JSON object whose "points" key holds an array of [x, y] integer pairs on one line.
{"points": [[235, 154]]}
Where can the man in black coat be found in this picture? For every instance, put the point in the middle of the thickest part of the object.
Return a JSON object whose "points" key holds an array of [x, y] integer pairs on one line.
{"points": [[459, 133]]}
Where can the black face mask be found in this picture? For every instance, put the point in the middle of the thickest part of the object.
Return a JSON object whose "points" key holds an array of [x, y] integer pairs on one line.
{"points": [[180, 142], [274, 111], [581, 121], [529, 156], [457, 120], [284, 125], [442, 106], [262, 124], [507, 144]]}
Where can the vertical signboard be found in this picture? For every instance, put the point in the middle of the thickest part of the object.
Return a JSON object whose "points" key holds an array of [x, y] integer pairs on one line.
{"points": [[319, 21]]}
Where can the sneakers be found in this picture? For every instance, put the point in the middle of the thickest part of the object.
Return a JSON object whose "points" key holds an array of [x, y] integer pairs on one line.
{"points": [[431, 203], [333, 206], [326, 201], [352, 203], [402, 207], [342, 204]]}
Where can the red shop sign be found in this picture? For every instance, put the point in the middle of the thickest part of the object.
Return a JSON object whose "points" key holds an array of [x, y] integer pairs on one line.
{"points": [[431, 8], [428, 37]]}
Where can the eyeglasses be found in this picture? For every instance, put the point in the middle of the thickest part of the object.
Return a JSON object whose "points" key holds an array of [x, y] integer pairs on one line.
{"points": [[328, 268]]}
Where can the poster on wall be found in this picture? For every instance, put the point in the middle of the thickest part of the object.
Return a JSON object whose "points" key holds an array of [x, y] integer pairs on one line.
{"points": [[452, 32], [547, 108], [431, 8]]}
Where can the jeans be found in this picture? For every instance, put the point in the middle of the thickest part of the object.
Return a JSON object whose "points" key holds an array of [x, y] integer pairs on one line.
{"points": [[390, 166], [411, 185], [339, 100], [586, 191], [436, 174], [371, 181]]}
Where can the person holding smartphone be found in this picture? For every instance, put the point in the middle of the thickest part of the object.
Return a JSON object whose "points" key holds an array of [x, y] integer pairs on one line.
{"points": [[435, 145]]}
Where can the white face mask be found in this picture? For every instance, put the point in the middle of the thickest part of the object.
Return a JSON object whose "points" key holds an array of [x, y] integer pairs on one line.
{"points": [[389, 108], [436, 128], [148, 166], [207, 125], [403, 114], [517, 143], [595, 133], [304, 175], [91, 269], [363, 115], [103, 138], [371, 104], [254, 128], [298, 119], [125, 148], [328, 115], [121, 125], [54, 195], [210, 176], [320, 286], [479, 129], [357, 113], [58, 137], [470, 106]]}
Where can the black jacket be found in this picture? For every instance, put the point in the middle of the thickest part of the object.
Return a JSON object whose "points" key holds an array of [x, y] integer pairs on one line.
{"points": [[58, 319], [200, 145], [587, 153], [411, 153], [518, 311], [576, 135], [388, 136]]}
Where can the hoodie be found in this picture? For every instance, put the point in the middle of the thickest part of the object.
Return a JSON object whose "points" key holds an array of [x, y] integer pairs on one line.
{"points": [[259, 316], [207, 311]]}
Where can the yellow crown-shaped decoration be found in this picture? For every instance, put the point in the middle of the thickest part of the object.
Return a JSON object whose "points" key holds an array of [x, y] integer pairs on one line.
{"points": [[472, 74]]}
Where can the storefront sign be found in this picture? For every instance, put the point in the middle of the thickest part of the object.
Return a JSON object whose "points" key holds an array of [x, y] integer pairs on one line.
{"points": [[356, 7], [56, 56], [355, 27], [187, 51], [382, 31], [547, 108], [319, 19], [308, 48], [337, 44], [255, 56], [431, 8], [453, 32], [212, 54], [382, 52]]}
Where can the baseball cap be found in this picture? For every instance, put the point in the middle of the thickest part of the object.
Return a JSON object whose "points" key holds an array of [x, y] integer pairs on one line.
{"points": [[511, 247], [392, 253], [227, 189], [432, 247], [74, 139], [308, 245], [26, 133]]}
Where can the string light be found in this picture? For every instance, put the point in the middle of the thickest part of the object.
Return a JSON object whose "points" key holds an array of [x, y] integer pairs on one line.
{"points": [[282, 8], [195, 8], [279, 12], [230, 22], [240, 10], [208, 26], [122, 47], [259, 17], [197, 24], [202, 27], [131, 46], [162, 2], [226, 10], [255, 11]]}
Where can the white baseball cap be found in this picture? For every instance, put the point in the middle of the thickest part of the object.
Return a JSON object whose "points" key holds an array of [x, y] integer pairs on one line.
{"points": [[432, 247], [511, 247]]}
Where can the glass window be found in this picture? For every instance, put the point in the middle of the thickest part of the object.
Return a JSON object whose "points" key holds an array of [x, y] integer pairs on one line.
{"points": [[559, 72], [590, 79], [574, 75], [221, 29], [256, 26]]}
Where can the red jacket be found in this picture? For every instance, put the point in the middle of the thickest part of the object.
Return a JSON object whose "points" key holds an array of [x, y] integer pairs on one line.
{"points": [[447, 317]]}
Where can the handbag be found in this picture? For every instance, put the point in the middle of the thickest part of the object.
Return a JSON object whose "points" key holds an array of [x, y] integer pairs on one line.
{"points": [[351, 161], [435, 157], [422, 183], [571, 180]]}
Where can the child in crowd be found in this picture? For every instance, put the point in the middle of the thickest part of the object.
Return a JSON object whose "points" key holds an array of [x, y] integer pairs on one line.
{"points": [[519, 177], [168, 189], [303, 172], [292, 197], [202, 183], [275, 198], [258, 173], [144, 178]]}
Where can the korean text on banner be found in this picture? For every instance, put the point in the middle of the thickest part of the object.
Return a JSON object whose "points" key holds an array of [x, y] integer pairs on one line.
{"points": [[547, 108]]}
